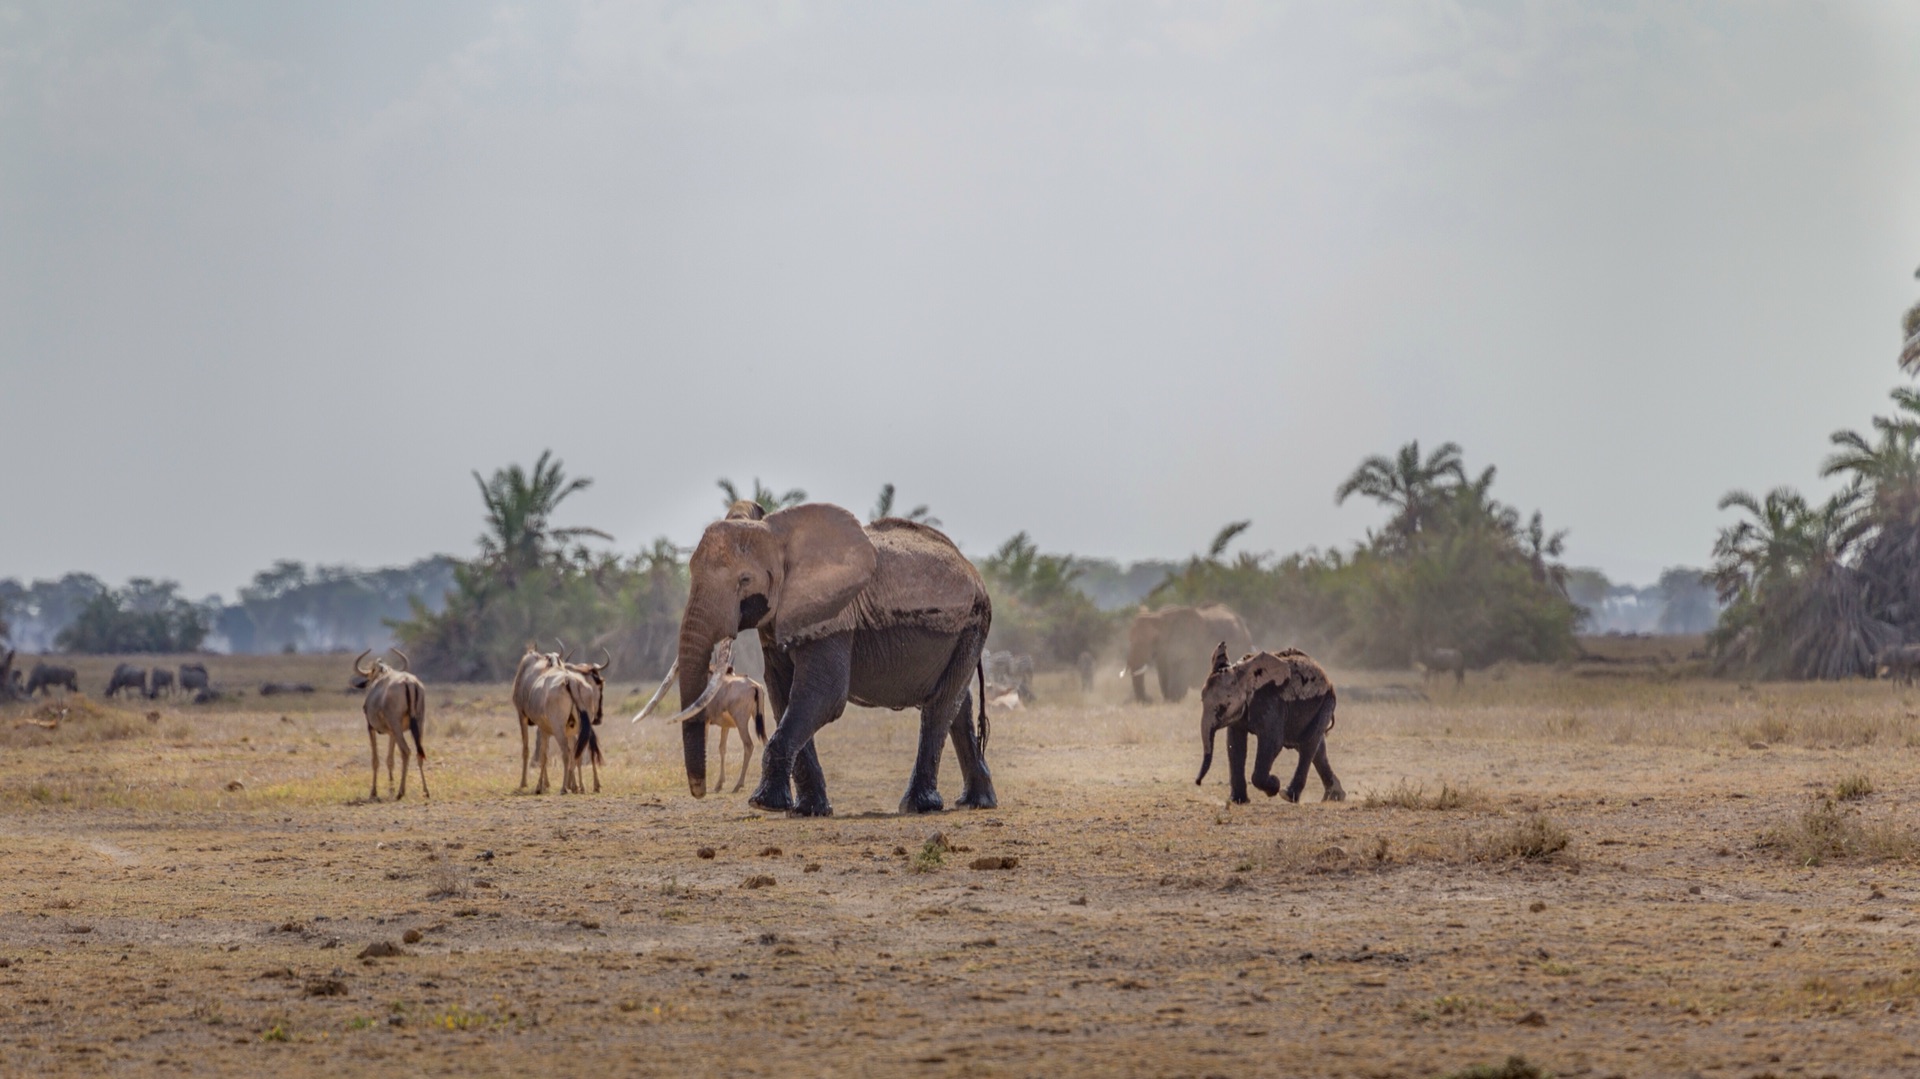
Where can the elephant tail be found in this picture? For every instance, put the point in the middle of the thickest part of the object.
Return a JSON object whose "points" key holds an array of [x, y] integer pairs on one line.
{"points": [[980, 669]]}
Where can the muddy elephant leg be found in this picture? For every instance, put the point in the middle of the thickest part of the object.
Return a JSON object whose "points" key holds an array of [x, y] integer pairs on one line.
{"points": [[978, 793], [1335, 792], [1237, 764], [937, 717], [1313, 742], [817, 693], [1263, 758]]}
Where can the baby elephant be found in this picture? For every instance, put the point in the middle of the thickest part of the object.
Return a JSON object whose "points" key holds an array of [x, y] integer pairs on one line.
{"points": [[1282, 698]]}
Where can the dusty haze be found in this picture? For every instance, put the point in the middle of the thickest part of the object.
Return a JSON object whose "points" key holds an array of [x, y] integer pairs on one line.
{"points": [[275, 280]]}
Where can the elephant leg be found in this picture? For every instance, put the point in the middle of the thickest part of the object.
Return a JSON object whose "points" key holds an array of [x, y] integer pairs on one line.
{"points": [[973, 760], [1312, 743], [817, 693], [1237, 764], [1263, 758], [1166, 682], [1140, 689], [937, 717], [1335, 792], [373, 747], [809, 784]]}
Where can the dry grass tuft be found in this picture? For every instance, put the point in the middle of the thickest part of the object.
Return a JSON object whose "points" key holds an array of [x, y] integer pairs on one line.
{"points": [[1404, 795], [1828, 832], [449, 881], [1516, 1067], [71, 720], [1852, 788], [1534, 838]]}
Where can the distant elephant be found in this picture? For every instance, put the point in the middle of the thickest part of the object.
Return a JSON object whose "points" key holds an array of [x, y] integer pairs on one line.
{"points": [[888, 615], [1174, 642], [1285, 700], [1438, 662]]}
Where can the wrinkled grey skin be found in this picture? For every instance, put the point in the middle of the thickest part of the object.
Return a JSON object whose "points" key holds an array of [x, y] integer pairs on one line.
{"points": [[1244, 709]]}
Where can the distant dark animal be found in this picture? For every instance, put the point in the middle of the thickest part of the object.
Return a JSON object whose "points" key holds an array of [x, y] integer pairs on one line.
{"points": [[274, 689], [45, 676], [127, 676], [1285, 701], [159, 680], [1438, 661], [1900, 663], [193, 678], [358, 683], [1007, 672], [207, 696]]}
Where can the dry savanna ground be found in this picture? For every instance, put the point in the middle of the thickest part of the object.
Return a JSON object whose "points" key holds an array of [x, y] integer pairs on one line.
{"points": [[1615, 869]]}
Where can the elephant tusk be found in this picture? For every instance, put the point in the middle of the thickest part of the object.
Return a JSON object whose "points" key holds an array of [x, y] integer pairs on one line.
{"points": [[658, 693]]}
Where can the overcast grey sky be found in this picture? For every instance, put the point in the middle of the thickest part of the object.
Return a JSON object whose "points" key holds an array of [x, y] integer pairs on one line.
{"points": [[275, 277]]}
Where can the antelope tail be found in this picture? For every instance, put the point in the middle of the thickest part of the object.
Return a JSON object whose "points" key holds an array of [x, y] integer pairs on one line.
{"points": [[588, 742], [759, 714], [417, 717]]}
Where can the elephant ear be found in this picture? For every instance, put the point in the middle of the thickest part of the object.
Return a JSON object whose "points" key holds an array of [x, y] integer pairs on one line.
{"points": [[828, 560]]}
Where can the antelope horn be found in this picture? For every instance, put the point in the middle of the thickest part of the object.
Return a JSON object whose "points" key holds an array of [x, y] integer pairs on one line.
{"points": [[564, 650], [357, 669], [605, 663], [658, 693], [405, 663]]}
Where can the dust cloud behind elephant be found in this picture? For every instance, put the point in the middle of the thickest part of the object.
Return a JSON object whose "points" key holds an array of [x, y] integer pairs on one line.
{"points": [[1176, 642]]}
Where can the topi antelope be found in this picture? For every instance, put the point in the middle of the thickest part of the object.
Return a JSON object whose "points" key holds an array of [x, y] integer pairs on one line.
{"points": [[396, 704]]}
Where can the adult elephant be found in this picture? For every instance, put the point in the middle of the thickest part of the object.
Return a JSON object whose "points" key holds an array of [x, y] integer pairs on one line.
{"points": [[887, 615], [1175, 642]]}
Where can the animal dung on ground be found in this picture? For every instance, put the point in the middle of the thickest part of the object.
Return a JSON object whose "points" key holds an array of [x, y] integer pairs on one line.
{"points": [[995, 861], [1537, 906], [705, 853], [235, 785], [412, 936], [759, 880], [382, 949], [153, 717]]}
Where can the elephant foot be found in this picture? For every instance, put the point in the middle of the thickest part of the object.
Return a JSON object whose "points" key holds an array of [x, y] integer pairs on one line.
{"points": [[1291, 794], [1270, 786], [773, 799], [1239, 799], [922, 801], [1335, 793], [811, 807], [981, 799]]}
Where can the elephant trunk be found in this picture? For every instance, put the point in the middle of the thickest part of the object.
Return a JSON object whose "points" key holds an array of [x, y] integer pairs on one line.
{"points": [[698, 634], [1207, 730]]}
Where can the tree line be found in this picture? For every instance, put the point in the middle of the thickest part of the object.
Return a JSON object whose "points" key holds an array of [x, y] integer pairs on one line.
{"points": [[1823, 588]]}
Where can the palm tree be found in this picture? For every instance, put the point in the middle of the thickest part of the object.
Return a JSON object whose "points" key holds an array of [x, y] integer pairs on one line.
{"points": [[763, 495], [883, 507], [1910, 352], [1407, 483], [1541, 546], [1799, 607], [518, 537]]}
